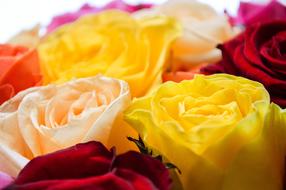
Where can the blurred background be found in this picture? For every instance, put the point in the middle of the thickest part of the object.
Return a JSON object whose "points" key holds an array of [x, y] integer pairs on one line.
{"points": [[16, 15]]}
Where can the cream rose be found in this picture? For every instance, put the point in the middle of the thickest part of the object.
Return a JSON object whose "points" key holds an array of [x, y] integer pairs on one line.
{"points": [[29, 38], [203, 30], [49, 118]]}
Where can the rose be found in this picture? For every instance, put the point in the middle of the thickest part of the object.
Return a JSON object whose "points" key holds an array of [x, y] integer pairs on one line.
{"points": [[257, 54], [87, 9], [203, 29], [48, 118], [28, 38], [5, 180], [92, 166], [178, 76], [220, 130], [251, 13], [19, 70], [111, 43]]}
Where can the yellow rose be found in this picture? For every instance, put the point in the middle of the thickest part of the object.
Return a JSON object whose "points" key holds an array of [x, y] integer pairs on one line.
{"points": [[203, 30], [221, 131], [49, 118], [111, 43]]}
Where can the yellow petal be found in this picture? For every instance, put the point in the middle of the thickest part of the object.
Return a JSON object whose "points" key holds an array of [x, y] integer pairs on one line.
{"points": [[111, 43], [260, 163]]}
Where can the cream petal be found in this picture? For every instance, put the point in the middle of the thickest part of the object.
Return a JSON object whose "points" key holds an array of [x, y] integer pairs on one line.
{"points": [[11, 162], [203, 30]]}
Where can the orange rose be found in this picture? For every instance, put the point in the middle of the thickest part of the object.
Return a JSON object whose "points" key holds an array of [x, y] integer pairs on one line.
{"points": [[19, 70], [178, 76]]}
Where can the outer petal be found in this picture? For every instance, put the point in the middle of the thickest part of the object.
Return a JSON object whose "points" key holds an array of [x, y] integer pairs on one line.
{"points": [[106, 182], [28, 38], [260, 164], [92, 166], [146, 166], [21, 62], [11, 162], [86, 160], [251, 13], [5, 180], [7, 92], [66, 18]]}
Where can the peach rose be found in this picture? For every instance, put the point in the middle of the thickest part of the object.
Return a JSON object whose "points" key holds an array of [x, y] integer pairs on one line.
{"points": [[44, 119]]}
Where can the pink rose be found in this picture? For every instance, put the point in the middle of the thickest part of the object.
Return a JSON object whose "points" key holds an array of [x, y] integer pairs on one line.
{"points": [[250, 13], [87, 9], [5, 180]]}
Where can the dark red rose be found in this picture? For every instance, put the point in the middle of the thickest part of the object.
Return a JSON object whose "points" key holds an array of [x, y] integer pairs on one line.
{"points": [[92, 166], [258, 54]]}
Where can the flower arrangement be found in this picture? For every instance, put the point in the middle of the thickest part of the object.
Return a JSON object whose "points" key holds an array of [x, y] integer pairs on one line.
{"points": [[173, 96]]}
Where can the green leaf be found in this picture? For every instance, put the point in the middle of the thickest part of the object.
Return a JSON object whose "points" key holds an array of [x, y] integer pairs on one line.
{"points": [[144, 150]]}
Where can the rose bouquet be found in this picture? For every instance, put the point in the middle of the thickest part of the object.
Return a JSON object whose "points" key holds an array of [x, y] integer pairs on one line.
{"points": [[173, 96]]}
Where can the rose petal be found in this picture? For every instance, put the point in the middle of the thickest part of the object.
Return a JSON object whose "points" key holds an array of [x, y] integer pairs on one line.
{"points": [[97, 160], [146, 166], [91, 166], [251, 13], [88, 9], [21, 62], [10, 161], [5, 180]]}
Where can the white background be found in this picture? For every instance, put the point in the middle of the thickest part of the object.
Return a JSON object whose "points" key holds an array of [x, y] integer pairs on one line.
{"points": [[16, 15]]}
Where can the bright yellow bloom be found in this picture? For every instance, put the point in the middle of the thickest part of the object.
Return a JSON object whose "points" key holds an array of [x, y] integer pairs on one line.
{"points": [[221, 131], [111, 43]]}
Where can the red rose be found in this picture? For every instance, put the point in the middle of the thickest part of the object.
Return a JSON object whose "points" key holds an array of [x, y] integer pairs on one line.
{"points": [[258, 54], [91, 166], [19, 69]]}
